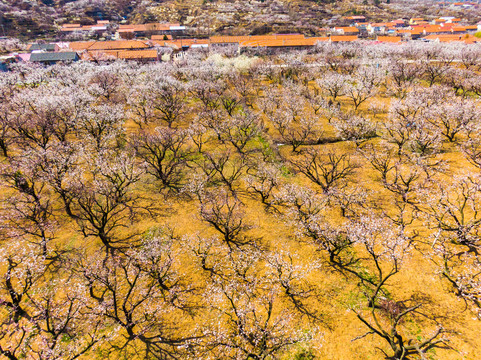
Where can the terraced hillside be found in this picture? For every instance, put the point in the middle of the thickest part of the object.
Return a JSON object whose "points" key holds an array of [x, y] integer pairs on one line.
{"points": [[39, 18]]}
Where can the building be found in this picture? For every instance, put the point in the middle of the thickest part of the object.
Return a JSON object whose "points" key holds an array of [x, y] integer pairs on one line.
{"points": [[436, 29], [465, 38], [399, 23], [379, 28], [349, 20], [50, 58], [81, 46], [232, 42], [183, 44], [389, 39], [416, 21], [110, 55], [99, 28], [146, 30]]}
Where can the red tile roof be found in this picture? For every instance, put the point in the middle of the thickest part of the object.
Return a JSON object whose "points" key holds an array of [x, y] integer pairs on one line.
{"points": [[178, 43], [434, 29], [118, 44], [386, 24], [71, 25], [466, 38], [121, 54], [138, 54], [390, 39], [80, 45]]}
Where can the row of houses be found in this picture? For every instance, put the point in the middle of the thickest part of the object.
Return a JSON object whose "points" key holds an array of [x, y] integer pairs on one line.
{"points": [[92, 51], [123, 31], [411, 29], [461, 5], [160, 48]]}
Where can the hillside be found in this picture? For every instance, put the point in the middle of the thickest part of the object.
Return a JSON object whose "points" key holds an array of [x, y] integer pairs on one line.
{"points": [[293, 207], [39, 18]]}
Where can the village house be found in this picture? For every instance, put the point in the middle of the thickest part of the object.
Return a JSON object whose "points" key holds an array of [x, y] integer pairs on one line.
{"points": [[124, 31], [182, 44], [451, 19], [233, 42], [345, 30], [276, 45], [108, 45], [436, 29], [465, 38], [98, 29], [389, 39], [351, 20], [399, 23], [115, 49], [137, 55], [356, 18], [380, 28], [51, 58], [146, 30], [409, 34], [416, 21]]}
